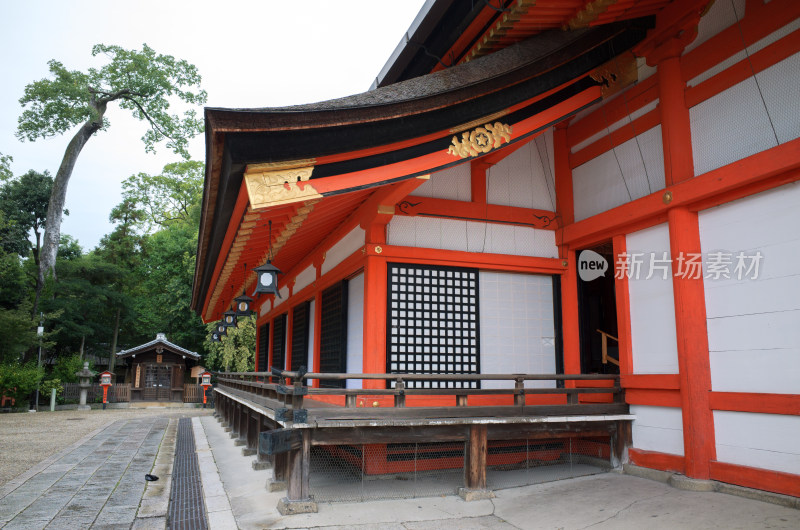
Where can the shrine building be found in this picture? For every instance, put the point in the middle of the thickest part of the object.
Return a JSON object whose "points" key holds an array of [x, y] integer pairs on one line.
{"points": [[604, 190]]}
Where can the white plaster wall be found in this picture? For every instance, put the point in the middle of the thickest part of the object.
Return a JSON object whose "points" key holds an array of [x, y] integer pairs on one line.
{"points": [[653, 340], [343, 248], [768, 441], [355, 328], [516, 326], [658, 429], [627, 172], [753, 336], [305, 277], [311, 327], [524, 178], [454, 183], [470, 236], [720, 16], [747, 118]]}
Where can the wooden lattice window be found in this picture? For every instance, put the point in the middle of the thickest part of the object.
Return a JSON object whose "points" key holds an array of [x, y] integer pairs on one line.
{"points": [[263, 348], [333, 336], [433, 323], [300, 335], [279, 342]]}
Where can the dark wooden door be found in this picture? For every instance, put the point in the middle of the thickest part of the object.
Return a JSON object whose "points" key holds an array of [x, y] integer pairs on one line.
{"points": [[157, 383]]}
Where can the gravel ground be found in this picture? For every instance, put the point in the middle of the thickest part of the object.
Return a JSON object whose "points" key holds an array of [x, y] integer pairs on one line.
{"points": [[28, 438]]}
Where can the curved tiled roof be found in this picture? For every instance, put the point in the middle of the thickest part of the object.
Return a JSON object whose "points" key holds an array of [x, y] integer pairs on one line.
{"points": [[161, 339]]}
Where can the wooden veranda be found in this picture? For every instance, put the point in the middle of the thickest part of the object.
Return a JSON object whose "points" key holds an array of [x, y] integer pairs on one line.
{"points": [[279, 416]]}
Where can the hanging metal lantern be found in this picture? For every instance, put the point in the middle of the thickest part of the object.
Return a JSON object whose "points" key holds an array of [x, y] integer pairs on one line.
{"points": [[243, 304], [229, 318], [215, 336], [267, 281], [222, 329]]}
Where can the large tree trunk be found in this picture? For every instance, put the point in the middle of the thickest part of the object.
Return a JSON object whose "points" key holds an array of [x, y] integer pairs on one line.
{"points": [[55, 209], [112, 360]]}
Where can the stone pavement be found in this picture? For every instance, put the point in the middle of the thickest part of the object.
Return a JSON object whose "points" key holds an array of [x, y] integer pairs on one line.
{"points": [[98, 482], [605, 501]]}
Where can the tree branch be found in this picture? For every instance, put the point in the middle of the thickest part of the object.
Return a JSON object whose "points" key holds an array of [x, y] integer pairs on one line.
{"points": [[153, 124]]}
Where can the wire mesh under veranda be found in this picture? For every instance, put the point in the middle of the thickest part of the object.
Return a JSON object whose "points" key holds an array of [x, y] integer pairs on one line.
{"points": [[348, 473]]}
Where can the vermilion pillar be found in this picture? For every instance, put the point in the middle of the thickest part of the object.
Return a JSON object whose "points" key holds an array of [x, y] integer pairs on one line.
{"points": [[692, 338], [374, 317]]}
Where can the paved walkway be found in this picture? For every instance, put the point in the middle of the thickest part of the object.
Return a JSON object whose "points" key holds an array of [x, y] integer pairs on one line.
{"points": [[605, 501], [99, 483]]}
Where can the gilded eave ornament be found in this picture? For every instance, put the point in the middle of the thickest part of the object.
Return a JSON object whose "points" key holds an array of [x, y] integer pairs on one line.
{"points": [[480, 140], [280, 183]]}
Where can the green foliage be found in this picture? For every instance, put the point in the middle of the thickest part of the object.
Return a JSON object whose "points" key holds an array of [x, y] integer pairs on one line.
{"points": [[169, 197], [66, 367], [19, 332], [235, 352], [87, 294], [24, 202], [47, 386], [18, 381], [141, 81], [5, 167]]}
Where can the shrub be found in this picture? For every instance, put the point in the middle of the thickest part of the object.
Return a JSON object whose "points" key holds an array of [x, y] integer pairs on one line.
{"points": [[18, 381]]}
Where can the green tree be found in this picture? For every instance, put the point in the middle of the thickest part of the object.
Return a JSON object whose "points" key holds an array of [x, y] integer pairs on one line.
{"points": [[139, 81], [165, 275], [24, 202], [166, 198], [5, 167], [235, 352]]}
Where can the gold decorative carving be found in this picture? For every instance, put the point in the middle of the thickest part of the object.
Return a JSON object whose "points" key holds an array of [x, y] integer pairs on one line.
{"points": [[480, 140], [386, 209], [589, 14], [480, 121], [424, 177], [616, 74], [667, 197], [378, 249], [285, 185]]}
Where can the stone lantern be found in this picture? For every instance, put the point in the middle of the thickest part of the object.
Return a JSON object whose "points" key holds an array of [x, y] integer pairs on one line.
{"points": [[86, 377]]}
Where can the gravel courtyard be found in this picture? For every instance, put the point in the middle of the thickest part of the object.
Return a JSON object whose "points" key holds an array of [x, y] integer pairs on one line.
{"points": [[28, 438]]}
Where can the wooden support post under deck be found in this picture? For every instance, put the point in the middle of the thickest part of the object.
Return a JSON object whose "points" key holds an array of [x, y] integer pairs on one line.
{"points": [[475, 465], [297, 498], [278, 482]]}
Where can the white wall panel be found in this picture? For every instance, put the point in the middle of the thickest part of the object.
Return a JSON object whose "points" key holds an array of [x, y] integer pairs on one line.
{"points": [[768, 441], [453, 183], [658, 429], [355, 328], [470, 236], [780, 86], [343, 248], [729, 126], [517, 327], [753, 336], [616, 125], [629, 171], [305, 277], [523, 179], [653, 340], [720, 16]]}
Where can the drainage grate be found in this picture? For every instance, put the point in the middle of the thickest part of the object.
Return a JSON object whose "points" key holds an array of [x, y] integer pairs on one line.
{"points": [[186, 508]]}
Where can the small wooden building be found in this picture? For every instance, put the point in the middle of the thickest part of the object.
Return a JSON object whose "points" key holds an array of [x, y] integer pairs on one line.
{"points": [[158, 370]]}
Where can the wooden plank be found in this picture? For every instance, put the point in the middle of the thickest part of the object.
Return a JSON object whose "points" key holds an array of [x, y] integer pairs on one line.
{"points": [[279, 441]]}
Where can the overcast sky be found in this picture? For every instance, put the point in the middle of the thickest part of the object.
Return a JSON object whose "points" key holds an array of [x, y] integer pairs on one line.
{"points": [[265, 53]]}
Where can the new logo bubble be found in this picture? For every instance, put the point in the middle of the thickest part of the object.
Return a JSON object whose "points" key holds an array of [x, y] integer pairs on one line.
{"points": [[591, 265]]}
